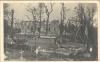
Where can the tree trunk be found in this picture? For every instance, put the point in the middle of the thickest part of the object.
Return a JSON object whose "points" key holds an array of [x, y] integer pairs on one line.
{"points": [[12, 11], [40, 24], [47, 25]]}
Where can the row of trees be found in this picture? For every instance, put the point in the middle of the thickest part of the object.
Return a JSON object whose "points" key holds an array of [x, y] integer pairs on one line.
{"points": [[37, 14], [87, 32], [84, 16], [84, 32]]}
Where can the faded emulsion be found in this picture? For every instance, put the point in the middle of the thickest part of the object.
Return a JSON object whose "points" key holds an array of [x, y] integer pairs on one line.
{"points": [[50, 32]]}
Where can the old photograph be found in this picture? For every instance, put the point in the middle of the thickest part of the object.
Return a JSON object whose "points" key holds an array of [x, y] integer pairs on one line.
{"points": [[50, 31]]}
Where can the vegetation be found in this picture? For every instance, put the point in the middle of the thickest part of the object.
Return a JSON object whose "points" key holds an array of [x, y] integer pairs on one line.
{"points": [[76, 32]]}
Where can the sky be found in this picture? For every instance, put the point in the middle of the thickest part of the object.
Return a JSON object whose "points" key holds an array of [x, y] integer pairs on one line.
{"points": [[20, 10]]}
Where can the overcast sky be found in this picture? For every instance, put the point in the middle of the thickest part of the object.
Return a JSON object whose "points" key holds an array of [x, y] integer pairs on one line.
{"points": [[20, 10]]}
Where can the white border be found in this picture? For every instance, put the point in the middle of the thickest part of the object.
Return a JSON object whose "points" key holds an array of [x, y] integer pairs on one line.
{"points": [[1, 25]]}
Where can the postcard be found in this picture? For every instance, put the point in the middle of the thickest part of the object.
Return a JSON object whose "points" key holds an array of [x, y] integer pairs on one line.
{"points": [[49, 31]]}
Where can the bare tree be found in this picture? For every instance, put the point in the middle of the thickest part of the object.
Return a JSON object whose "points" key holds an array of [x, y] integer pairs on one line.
{"points": [[33, 13], [36, 14], [48, 12], [40, 16], [12, 23], [85, 15], [63, 17]]}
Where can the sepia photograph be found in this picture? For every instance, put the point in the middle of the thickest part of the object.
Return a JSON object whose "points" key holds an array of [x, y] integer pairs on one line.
{"points": [[50, 31]]}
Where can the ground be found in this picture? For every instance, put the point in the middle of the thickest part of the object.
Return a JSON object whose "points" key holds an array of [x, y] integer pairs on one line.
{"points": [[27, 52]]}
